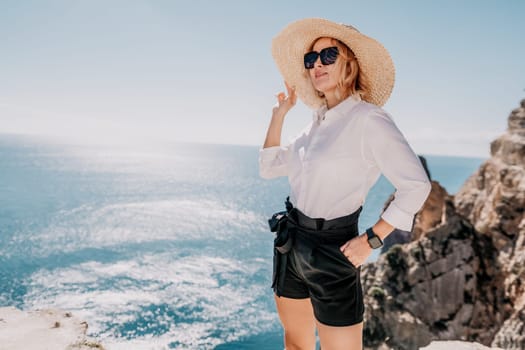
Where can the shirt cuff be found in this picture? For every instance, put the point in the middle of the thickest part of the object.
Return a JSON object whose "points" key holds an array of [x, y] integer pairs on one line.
{"points": [[398, 218], [268, 154]]}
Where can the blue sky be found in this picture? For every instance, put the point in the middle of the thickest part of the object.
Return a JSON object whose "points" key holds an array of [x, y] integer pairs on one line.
{"points": [[130, 71]]}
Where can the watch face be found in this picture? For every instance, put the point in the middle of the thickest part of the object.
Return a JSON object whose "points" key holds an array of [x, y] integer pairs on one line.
{"points": [[375, 242]]}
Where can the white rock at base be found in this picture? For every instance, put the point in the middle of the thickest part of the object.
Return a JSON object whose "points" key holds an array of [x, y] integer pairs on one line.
{"points": [[42, 330], [455, 345]]}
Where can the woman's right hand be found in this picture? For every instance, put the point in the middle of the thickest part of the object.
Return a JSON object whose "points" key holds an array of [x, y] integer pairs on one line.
{"points": [[285, 102]]}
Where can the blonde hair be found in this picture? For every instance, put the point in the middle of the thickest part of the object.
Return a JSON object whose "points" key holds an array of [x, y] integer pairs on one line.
{"points": [[349, 83]]}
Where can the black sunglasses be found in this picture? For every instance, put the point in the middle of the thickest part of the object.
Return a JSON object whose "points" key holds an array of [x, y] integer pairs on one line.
{"points": [[328, 56]]}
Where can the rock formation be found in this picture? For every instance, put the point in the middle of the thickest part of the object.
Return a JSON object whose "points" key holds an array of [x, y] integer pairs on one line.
{"points": [[43, 329], [493, 199], [454, 345], [460, 278]]}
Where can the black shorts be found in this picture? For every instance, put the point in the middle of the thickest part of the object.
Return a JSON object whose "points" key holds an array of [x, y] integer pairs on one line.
{"points": [[321, 272]]}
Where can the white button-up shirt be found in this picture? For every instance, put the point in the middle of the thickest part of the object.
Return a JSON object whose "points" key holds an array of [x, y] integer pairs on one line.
{"points": [[332, 164]]}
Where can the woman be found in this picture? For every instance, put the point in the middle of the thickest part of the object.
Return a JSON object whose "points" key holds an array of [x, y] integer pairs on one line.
{"points": [[345, 77]]}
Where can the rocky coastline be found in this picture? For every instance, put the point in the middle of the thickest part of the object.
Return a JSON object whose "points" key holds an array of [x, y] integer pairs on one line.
{"points": [[461, 275]]}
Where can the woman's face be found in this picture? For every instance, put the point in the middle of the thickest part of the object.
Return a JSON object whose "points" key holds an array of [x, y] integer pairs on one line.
{"points": [[324, 78]]}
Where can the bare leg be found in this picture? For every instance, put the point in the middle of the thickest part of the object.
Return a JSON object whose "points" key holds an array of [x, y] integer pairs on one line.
{"points": [[341, 338], [297, 318]]}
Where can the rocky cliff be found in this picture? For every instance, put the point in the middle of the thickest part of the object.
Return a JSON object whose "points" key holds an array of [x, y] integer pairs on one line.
{"points": [[493, 199], [460, 278]]}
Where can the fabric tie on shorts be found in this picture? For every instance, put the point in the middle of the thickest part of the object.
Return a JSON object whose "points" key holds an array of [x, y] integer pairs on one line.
{"points": [[317, 231], [321, 231]]}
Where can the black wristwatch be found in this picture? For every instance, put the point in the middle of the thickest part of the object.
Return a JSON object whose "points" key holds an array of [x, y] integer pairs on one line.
{"points": [[373, 240]]}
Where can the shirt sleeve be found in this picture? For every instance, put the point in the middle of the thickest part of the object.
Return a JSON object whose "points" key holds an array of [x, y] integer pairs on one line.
{"points": [[273, 161], [385, 145]]}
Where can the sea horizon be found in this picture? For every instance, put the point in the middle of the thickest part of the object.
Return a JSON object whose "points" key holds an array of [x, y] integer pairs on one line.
{"points": [[70, 140]]}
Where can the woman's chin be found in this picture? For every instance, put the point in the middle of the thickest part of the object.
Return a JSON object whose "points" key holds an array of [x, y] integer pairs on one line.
{"points": [[325, 90]]}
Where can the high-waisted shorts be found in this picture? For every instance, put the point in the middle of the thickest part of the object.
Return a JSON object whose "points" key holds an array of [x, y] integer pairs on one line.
{"points": [[317, 269]]}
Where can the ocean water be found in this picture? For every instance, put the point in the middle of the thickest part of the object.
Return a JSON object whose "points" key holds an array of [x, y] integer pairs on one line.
{"points": [[156, 247]]}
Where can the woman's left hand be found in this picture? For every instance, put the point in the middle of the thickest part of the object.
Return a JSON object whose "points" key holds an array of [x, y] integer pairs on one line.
{"points": [[357, 250]]}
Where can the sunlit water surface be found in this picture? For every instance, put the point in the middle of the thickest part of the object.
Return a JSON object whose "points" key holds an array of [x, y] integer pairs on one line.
{"points": [[161, 247]]}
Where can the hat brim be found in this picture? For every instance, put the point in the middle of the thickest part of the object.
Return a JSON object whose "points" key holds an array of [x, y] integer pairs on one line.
{"points": [[375, 64]]}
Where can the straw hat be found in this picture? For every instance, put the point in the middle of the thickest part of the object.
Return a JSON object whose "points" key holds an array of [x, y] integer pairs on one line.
{"points": [[376, 68]]}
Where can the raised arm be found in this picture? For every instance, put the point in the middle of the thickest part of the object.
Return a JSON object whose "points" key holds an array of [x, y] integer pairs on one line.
{"points": [[284, 104], [273, 158]]}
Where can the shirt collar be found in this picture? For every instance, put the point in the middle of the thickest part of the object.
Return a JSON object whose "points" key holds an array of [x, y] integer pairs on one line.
{"points": [[341, 109]]}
